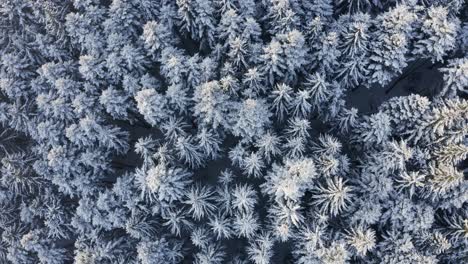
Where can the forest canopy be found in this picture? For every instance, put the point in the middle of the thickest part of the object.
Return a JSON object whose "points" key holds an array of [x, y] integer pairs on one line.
{"points": [[233, 131]]}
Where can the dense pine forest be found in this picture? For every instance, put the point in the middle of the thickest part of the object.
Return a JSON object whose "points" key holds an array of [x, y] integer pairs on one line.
{"points": [[233, 131]]}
